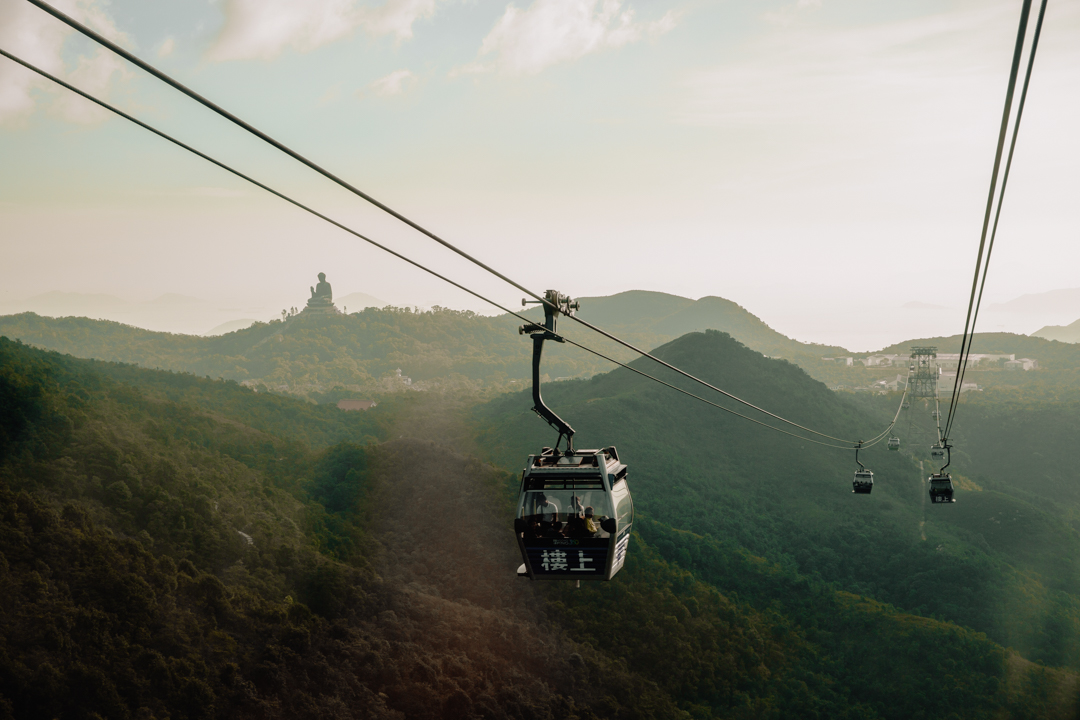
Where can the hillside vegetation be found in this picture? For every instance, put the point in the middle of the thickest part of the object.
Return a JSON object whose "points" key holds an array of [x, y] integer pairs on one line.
{"points": [[186, 548], [718, 476]]}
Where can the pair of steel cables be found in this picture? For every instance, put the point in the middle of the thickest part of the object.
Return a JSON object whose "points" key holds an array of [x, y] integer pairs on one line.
{"points": [[847, 444], [982, 262]]}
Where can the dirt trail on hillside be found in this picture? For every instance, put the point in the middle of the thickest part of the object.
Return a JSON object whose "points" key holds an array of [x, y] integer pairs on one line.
{"points": [[467, 636], [444, 530]]}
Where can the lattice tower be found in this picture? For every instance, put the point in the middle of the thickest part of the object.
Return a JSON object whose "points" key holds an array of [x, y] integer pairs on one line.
{"points": [[923, 378]]}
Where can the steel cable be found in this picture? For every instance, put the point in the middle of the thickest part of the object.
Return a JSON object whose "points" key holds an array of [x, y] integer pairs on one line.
{"points": [[71, 22], [962, 370], [981, 266], [382, 247]]}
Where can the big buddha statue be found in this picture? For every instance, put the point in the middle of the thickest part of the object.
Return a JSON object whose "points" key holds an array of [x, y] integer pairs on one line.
{"points": [[322, 297]]}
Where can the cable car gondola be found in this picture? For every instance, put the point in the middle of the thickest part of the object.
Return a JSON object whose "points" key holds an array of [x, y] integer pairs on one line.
{"points": [[574, 515], [574, 511], [937, 452], [863, 482], [941, 488], [894, 443]]}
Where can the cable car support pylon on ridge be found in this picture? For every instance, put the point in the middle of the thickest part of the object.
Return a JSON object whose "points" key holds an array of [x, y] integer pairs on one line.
{"points": [[574, 511]]}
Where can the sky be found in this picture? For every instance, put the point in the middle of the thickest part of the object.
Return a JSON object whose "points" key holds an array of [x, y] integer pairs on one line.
{"points": [[823, 163]]}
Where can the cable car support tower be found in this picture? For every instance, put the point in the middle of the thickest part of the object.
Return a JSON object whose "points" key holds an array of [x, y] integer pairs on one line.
{"points": [[923, 379]]}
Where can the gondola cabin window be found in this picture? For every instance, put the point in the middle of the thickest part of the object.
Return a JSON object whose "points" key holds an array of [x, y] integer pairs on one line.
{"points": [[565, 513]]}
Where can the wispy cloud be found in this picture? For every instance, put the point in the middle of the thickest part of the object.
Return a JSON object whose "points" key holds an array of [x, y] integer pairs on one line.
{"points": [[789, 13], [38, 38], [263, 29], [218, 192], [95, 75], [167, 47], [525, 42], [395, 83], [821, 76], [899, 118]]}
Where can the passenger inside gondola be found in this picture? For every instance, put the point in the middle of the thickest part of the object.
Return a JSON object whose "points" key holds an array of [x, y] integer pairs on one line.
{"points": [[554, 530], [575, 526], [584, 512]]}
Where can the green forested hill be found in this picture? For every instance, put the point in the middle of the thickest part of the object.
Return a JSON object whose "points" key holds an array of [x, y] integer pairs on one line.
{"points": [[186, 548], [307, 355], [720, 477], [328, 356]]}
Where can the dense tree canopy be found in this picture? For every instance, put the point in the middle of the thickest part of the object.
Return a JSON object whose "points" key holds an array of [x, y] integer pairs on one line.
{"points": [[180, 547]]}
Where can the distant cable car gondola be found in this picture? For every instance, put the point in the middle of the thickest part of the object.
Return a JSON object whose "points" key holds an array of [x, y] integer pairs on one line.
{"points": [[894, 443], [863, 482], [937, 452], [936, 414], [574, 512]]}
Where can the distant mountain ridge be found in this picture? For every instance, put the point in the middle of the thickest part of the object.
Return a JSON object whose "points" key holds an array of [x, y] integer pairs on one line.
{"points": [[306, 355], [675, 316], [1049, 352], [361, 352], [1062, 333], [1051, 302], [169, 312], [657, 318]]}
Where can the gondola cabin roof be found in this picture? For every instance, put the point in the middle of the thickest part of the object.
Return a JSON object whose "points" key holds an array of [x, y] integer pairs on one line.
{"points": [[580, 469]]}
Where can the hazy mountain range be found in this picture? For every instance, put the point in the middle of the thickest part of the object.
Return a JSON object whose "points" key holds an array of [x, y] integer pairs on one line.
{"points": [[663, 314], [169, 312]]}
